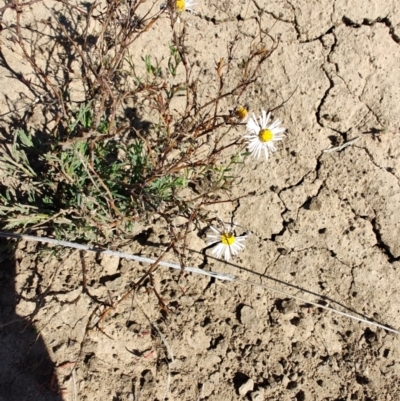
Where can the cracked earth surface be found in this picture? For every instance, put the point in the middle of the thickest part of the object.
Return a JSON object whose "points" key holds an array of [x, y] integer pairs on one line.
{"points": [[324, 223]]}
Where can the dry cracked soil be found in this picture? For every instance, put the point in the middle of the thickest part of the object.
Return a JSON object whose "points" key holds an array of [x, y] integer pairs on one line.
{"points": [[324, 226]]}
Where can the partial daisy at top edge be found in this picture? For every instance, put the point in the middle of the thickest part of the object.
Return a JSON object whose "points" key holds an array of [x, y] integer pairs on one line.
{"points": [[184, 5], [262, 135], [228, 244]]}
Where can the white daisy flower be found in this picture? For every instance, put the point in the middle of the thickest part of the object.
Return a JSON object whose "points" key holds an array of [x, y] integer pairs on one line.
{"points": [[227, 243], [262, 136], [184, 5]]}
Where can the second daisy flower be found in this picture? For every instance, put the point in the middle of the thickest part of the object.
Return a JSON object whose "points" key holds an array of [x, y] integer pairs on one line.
{"points": [[263, 135], [228, 244]]}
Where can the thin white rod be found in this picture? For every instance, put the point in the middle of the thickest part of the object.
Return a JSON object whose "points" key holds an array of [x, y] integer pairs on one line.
{"points": [[359, 319], [67, 244], [219, 276]]}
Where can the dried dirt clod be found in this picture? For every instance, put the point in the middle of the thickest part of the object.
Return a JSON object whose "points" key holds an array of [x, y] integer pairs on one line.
{"points": [[257, 395], [148, 378], [110, 263], [187, 301], [248, 316], [289, 306], [246, 387], [207, 389]]}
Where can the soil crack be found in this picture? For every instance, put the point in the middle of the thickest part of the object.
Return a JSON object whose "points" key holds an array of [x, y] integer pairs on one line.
{"points": [[318, 116], [384, 20]]}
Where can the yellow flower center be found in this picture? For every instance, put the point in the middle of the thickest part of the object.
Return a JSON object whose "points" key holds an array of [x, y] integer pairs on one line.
{"points": [[241, 112], [227, 238], [265, 135], [180, 5]]}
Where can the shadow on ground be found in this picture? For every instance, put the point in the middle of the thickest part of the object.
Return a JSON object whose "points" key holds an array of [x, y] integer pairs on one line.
{"points": [[26, 370]]}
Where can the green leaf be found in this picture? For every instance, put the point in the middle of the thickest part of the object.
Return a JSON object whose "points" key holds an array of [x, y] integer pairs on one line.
{"points": [[24, 138]]}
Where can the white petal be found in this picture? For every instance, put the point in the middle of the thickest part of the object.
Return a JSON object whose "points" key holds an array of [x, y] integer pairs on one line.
{"points": [[252, 126], [215, 230], [267, 120], [217, 251], [213, 242], [227, 253]]}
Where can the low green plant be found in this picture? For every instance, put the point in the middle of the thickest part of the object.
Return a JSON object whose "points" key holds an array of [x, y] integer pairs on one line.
{"points": [[93, 171]]}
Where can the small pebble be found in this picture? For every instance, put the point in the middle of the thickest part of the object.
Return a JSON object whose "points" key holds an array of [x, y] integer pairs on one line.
{"points": [[248, 316], [257, 395], [246, 387]]}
